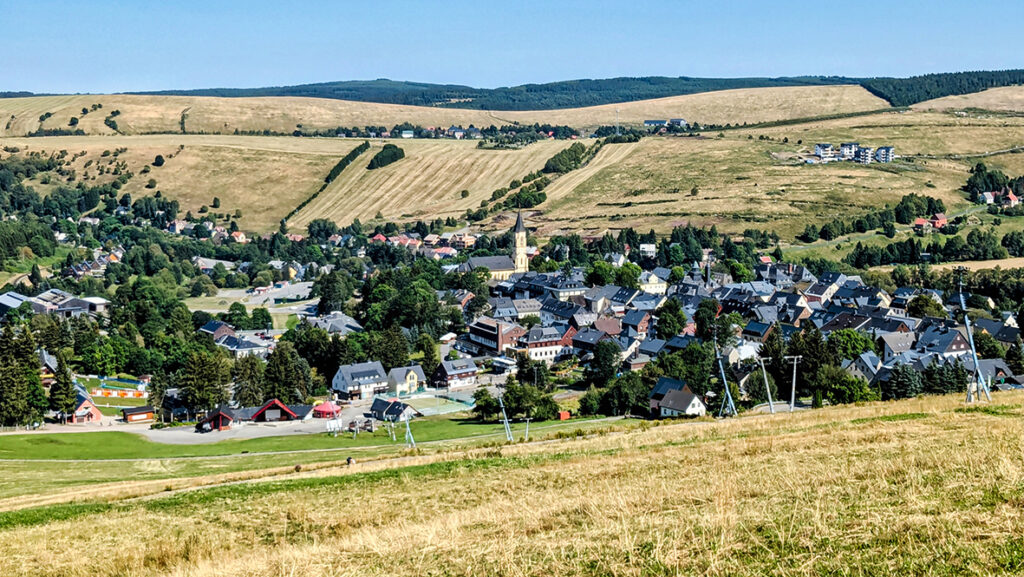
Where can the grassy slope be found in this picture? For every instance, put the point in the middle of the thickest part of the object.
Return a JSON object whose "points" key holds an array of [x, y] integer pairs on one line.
{"points": [[141, 114], [426, 183], [61, 466], [739, 177], [631, 184], [1008, 98], [919, 487], [265, 177]]}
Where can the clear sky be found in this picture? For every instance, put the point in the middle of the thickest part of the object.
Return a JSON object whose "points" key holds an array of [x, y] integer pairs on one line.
{"points": [[116, 46]]}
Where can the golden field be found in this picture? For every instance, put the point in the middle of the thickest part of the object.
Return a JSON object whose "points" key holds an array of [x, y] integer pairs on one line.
{"points": [[917, 487], [142, 114], [427, 183], [1005, 98], [746, 177]]}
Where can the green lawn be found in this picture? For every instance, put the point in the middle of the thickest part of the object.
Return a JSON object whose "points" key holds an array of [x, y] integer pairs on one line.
{"points": [[89, 456], [123, 445]]}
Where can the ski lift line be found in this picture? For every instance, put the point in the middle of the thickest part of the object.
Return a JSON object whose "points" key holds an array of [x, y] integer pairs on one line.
{"points": [[979, 385], [504, 418], [768, 391], [727, 402]]}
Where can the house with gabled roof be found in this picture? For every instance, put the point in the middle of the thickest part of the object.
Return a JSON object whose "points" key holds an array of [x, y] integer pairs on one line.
{"points": [[360, 380], [681, 403], [455, 373], [392, 410], [405, 380], [217, 329], [895, 343]]}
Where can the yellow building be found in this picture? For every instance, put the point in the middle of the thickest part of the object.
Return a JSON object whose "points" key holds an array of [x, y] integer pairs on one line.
{"points": [[522, 262], [502, 267]]}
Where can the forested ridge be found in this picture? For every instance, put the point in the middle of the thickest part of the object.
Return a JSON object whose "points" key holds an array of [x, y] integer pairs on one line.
{"points": [[907, 91], [593, 92]]}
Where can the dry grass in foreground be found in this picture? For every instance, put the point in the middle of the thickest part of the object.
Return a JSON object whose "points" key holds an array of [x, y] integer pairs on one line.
{"points": [[921, 487]]}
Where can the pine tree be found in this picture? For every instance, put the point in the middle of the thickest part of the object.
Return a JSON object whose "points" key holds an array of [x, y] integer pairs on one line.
{"points": [[62, 391], [203, 379], [248, 375], [430, 358], [35, 276], [13, 395], [1015, 357], [773, 350], [287, 376], [28, 361], [904, 383]]}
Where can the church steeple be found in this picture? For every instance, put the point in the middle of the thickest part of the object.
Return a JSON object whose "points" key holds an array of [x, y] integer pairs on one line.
{"points": [[520, 227], [519, 257]]}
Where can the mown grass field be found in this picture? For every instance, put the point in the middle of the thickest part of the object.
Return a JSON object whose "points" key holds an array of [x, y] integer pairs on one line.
{"points": [[746, 182], [147, 114], [919, 487], [746, 177], [264, 177], [1006, 98], [427, 183]]}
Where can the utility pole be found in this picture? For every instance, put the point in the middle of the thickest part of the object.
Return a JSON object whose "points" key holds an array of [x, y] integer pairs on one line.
{"points": [[504, 419], [617, 133], [979, 385], [792, 394], [410, 442], [727, 404], [527, 436], [768, 391]]}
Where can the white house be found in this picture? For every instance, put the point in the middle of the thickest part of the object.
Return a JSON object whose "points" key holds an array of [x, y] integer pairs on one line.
{"points": [[864, 155], [681, 403], [848, 150], [652, 283], [360, 381], [825, 151], [884, 154]]}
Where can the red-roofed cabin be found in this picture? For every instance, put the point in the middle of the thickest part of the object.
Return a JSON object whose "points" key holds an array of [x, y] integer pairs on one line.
{"points": [[218, 420], [563, 415], [939, 220], [920, 223], [274, 410]]}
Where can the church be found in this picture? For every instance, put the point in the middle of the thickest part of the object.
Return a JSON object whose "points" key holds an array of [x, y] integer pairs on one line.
{"points": [[502, 267]]}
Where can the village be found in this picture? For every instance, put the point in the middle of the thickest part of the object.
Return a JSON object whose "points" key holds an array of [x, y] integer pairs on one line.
{"points": [[563, 321]]}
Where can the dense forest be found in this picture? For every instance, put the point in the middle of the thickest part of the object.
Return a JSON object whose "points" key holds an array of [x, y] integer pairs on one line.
{"points": [[554, 95], [576, 93], [907, 91]]}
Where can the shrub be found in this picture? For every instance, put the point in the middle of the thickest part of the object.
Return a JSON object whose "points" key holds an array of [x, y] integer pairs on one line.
{"points": [[389, 154]]}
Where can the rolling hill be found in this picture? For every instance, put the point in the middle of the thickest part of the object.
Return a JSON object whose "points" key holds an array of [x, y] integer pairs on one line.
{"points": [[283, 115], [587, 92], [1007, 98], [745, 177], [427, 183], [916, 487], [552, 95]]}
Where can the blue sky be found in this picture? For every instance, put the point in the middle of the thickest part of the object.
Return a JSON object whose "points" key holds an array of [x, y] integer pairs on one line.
{"points": [[113, 46]]}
